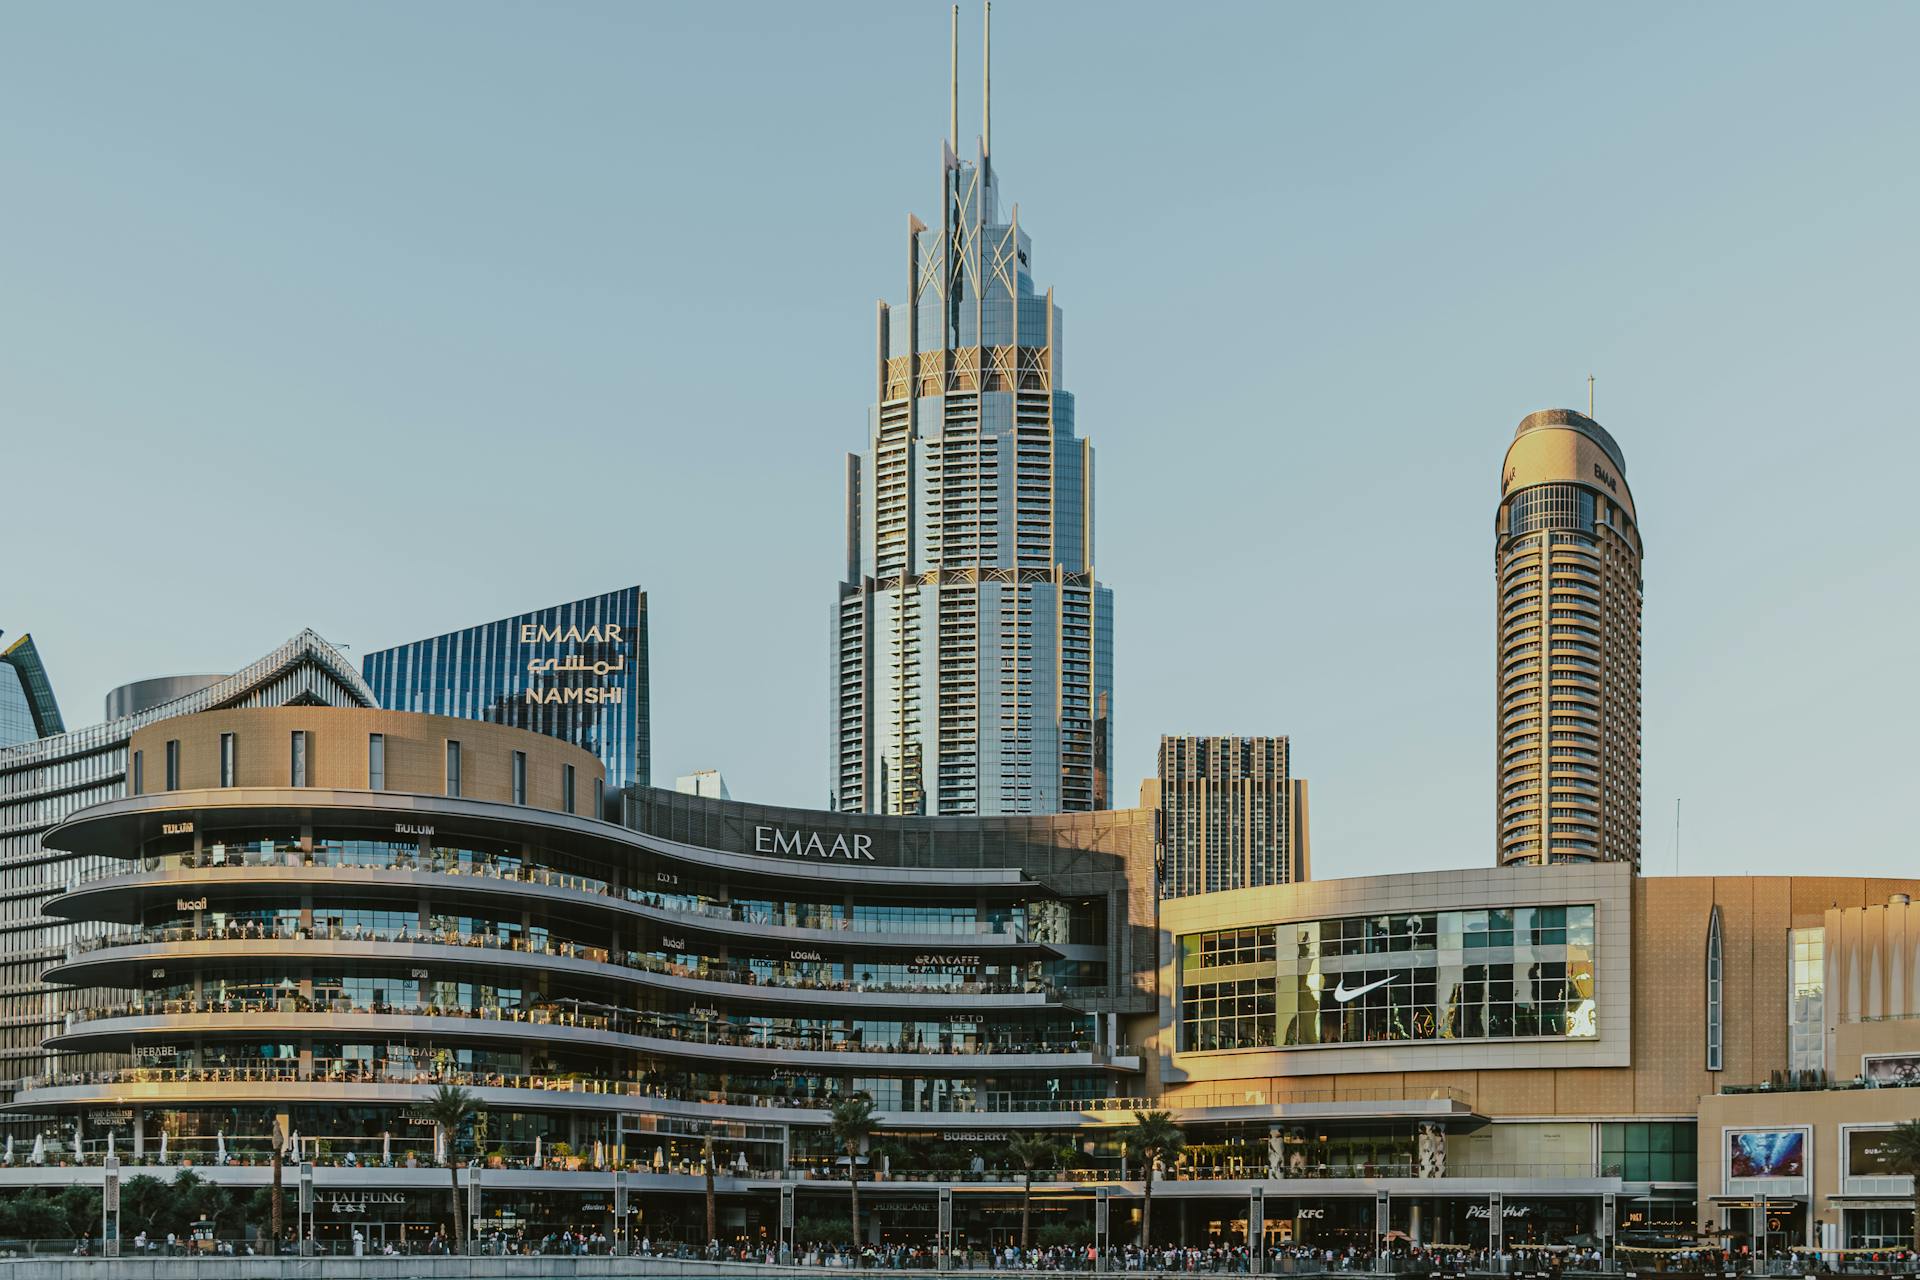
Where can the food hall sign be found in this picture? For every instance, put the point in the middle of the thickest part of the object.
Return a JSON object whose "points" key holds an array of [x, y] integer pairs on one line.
{"points": [[553, 689], [812, 844]]}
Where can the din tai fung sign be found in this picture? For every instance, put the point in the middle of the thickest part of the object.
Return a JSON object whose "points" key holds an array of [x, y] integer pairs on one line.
{"points": [[573, 664]]}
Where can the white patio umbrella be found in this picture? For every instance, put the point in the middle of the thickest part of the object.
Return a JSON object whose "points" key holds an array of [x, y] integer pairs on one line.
{"points": [[39, 1155], [599, 1153], [76, 1140], [163, 1145], [659, 1158], [539, 1145], [386, 1147], [220, 1147], [741, 1163], [109, 1142], [9, 1148]]}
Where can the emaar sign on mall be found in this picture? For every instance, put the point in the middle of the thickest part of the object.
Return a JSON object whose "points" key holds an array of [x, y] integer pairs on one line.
{"points": [[812, 844]]}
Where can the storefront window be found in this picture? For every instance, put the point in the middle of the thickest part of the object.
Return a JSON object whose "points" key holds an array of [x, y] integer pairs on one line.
{"points": [[1497, 973], [1655, 1151]]}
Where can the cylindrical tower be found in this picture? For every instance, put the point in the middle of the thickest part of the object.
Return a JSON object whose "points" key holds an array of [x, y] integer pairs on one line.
{"points": [[1567, 672]]}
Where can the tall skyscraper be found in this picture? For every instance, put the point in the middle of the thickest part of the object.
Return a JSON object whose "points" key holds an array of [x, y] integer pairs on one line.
{"points": [[575, 671], [1567, 673], [27, 706], [973, 647], [1232, 816]]}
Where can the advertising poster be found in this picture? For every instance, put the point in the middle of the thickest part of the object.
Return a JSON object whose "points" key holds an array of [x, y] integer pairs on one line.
{"points": [[1867, 1154], [1892, 1069], [1767, 1153]]}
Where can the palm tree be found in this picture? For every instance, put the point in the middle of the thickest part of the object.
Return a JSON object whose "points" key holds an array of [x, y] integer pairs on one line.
{"points": [[706, 1159], [1153, 1137], [852, 1124], [1033, 1151], [447, 1110], [1903, 1156]]}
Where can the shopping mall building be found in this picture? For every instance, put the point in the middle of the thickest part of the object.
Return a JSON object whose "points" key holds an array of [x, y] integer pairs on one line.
{"points": [[313, 915]]}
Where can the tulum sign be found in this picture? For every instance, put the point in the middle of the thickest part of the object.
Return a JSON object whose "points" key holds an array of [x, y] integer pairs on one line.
{"points": [[812, 844]]}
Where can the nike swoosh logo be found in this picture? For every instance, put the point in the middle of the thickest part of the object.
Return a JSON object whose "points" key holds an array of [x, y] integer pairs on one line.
{"points": [[1342, 995]]}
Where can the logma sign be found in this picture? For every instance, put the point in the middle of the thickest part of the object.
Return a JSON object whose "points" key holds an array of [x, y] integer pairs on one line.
{"points": [[812, 844]]}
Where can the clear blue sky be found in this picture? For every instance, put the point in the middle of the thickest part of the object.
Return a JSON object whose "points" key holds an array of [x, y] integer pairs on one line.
{"points": [[385, 319]]}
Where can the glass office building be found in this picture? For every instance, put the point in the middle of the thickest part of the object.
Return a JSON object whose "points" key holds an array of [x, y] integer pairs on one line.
{"points": [[972, 661], [575, 671], [27, 706]]}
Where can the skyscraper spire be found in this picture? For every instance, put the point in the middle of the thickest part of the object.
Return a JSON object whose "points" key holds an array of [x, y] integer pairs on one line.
{"points": [[973, 666], [953, 108], [986, 84]]}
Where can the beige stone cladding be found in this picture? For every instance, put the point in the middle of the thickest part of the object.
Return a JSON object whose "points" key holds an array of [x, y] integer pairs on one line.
{"points": [[1828, 1119], [415, 748]]}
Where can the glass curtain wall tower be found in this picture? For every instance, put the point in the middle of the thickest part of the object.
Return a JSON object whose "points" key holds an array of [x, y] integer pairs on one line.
{"points": [[28, 709], [973, 647], [575, 671], [1567, 674]]}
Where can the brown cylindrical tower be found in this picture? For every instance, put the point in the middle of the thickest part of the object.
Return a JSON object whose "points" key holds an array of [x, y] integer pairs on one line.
{"points": [[1567, 672]]}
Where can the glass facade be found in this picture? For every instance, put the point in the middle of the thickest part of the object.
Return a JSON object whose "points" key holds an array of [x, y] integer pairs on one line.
{"points": [[575, 671], [1806, 1015], [27, 706], [16, 712], [1504, 973], [1716, 993], [1656, 1151]]}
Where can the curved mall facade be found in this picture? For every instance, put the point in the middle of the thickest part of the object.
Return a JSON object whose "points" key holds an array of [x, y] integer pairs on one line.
{"points": [[309, 917]]}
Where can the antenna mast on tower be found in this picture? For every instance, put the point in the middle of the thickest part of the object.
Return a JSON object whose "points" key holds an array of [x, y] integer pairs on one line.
{"points": [[986, 84]]}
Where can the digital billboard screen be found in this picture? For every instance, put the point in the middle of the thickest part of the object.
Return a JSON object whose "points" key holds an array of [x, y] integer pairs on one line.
{"points": [[1869, 1154], [1767, 1153]]}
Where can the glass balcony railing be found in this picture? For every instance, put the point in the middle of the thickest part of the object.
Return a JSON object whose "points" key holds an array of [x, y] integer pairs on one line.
{"points": [[708, 971], [823, 917], [961, 1101], [1001, 1040]]}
